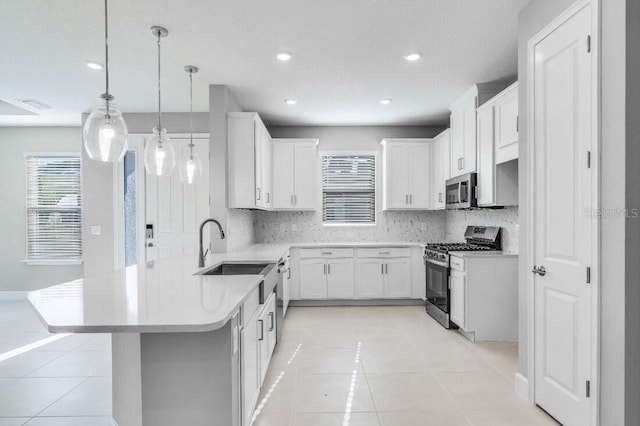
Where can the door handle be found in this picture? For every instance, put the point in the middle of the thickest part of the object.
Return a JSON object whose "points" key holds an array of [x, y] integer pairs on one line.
{"points": [[261, 330], [406, 198], [386, 268], [461, 163], [268, 197], [410, 198], [270, 321], [325, 268], [329, 268], [289, 272], [540, 271], [382, 268], [295, 199], [258, 194], [292, 199], [150, 245]]}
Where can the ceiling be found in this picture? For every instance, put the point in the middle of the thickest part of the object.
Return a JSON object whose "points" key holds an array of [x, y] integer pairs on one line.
{"points": [[347, 55]]}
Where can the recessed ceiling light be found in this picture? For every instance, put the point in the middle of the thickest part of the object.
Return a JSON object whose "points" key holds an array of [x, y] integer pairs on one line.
{"points": [[385, 101], [413, 56], [94, 65], [290, 101], [284, 56]]}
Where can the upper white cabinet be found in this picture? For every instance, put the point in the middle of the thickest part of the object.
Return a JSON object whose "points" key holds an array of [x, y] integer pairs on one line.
{"points": [[441, 166], [249, 156], [497, 183], [506, 124], [406, 174], [295, 174], [463, 127]]}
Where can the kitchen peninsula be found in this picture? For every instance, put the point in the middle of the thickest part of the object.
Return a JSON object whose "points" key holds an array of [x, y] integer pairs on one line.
{"points": [[175, 334]]}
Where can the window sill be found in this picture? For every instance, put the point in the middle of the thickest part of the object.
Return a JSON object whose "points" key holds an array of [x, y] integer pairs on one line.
{"points": [[344, 225], [52, 262]]}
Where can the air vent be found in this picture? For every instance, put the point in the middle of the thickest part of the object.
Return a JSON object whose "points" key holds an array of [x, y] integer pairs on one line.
{"points": [[9, 109], [34, 103]]}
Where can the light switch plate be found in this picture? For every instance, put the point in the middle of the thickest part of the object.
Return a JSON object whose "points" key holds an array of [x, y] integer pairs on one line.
{"points": [[96, 230], [283, 227], [294, 227]]}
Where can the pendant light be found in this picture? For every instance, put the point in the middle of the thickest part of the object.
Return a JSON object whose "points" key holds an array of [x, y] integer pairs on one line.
{"points": [[159, 156], [105, 132], [190, 167]]}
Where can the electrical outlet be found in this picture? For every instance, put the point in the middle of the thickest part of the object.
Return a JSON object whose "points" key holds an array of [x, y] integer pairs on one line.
{"points": [[294, 227], [283, 227], [96, 230]]}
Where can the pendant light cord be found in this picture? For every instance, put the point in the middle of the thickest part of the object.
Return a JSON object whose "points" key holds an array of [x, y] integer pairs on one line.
{"points": [[159, 92], [106, 54], [191, 113]]}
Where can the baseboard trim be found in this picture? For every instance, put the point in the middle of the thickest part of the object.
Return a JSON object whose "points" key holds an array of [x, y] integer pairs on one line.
{"points": [[13, 295], [358, 302], [522, 386]]}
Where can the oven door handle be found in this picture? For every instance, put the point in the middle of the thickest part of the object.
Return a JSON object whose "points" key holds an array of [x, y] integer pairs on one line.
{"points": [[460, 193]]}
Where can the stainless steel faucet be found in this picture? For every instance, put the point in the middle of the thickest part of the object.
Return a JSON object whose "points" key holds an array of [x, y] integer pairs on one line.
{"points": [[201, 252]]}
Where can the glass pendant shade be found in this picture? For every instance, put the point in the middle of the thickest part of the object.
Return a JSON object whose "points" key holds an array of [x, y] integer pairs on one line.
{"points": [[159, 156], [190, 167], [105, 133]]}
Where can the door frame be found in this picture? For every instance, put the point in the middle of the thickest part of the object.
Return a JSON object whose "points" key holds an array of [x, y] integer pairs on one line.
{"points": [[596, 219], [141, 178]]}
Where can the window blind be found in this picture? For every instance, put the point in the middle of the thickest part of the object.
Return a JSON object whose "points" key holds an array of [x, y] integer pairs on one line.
{"points": [[348, 189], [54, 211]]}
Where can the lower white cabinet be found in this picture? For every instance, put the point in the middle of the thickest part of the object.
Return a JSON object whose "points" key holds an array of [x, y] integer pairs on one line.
{"points": [[384, 278], [457, 281], [326, 278], [257, 340]]}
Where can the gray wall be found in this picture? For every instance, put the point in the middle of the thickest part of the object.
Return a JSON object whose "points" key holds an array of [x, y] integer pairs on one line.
{"points": [[14, 142], [238, 224], [620, 269]]}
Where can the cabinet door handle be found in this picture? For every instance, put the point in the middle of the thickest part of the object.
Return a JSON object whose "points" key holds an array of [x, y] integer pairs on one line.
{"points": [[439, 197], [258, 194], [410, 198], [327, 253], [386, 268], [268, 197], [289, 272], [325, 268], [291, 200], [329, 268], [406, 198], [461, 163], [295, 199], [271, 325], [384, 252], [382, 268], [261, 330]]}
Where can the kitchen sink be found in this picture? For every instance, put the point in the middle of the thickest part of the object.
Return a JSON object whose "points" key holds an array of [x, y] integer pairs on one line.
{"points": [[238, 269], [268, 270]]}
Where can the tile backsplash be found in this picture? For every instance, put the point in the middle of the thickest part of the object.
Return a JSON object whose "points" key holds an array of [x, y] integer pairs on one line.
{"points": [[240, 228], [429, 226], [276, 227], [507, 218]]}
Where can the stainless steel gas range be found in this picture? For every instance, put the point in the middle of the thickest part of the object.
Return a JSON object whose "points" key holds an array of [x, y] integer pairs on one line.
{"points": [[436, 260]]}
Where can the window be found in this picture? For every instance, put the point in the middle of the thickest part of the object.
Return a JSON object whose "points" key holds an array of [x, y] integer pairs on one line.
{"points": [[53, 208], [348, 189]]}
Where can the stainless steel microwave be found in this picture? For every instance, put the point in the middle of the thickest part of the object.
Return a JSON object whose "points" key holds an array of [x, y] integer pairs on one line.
{"points": [[461, 192]]}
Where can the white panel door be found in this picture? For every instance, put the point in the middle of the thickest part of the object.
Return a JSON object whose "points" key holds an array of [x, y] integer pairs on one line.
{"points": [[468, 162], [457, 280], [313, 279], [306, 176], [397, 278], [486, 174], [175, 209], [283, 175], [396, 183], [259, 144], [562, 193], [267, 177], [420, 175], [457, 141], [340, 282], [250, 368], [370, 279]]}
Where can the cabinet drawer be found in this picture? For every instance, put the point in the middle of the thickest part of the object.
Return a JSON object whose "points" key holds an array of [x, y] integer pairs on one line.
{"points": [[384, 252], [457, 263], [250, 306], [327, 253]]}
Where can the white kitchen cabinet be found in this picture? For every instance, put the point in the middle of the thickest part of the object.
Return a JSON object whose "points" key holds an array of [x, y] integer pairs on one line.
{"points": [[266, 335], [249, 162], [326, 278], [340, 279], [384, 276], [406, 174], [397, 278], [441, 166], [506, 124], [497, 183], [250, 369], [370, 279], [457, 281], [313, 281], [463, 127], [295, 174]]}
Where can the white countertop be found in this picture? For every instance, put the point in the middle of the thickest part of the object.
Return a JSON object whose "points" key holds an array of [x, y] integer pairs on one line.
{"points": [[474, 254], [160, 296]]}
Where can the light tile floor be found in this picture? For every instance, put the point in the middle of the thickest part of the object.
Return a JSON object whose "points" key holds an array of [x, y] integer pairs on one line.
{"points": [[346, 366]]}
